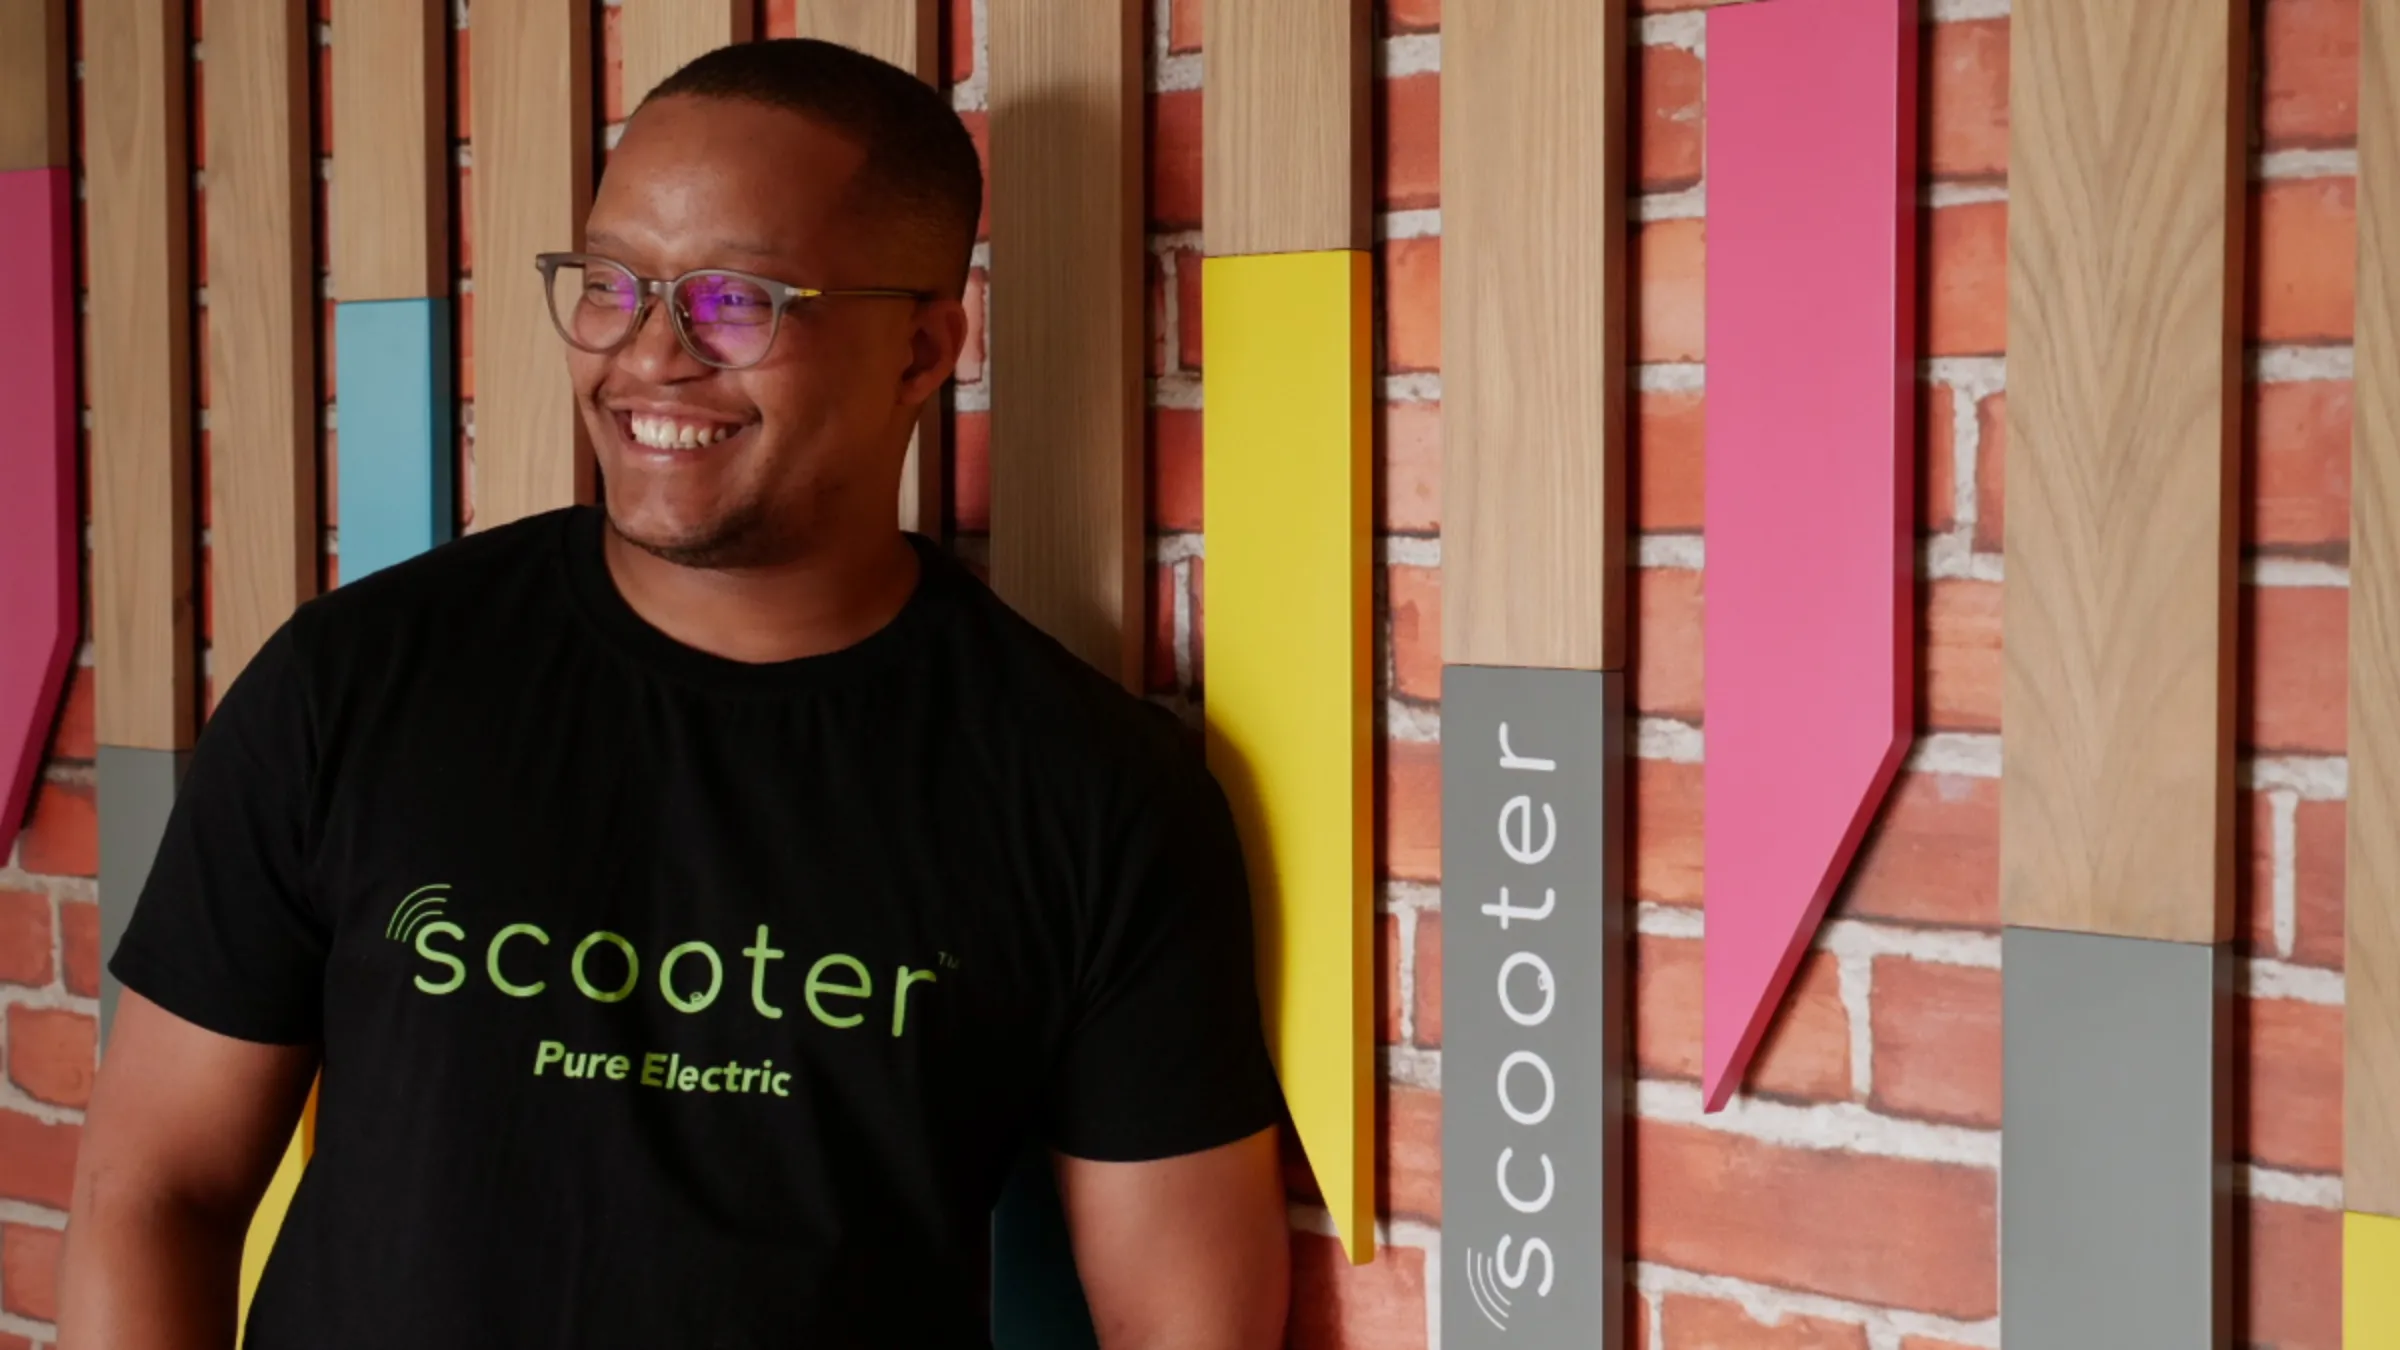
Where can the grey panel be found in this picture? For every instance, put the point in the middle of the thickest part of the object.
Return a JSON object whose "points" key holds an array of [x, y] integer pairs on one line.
{"points": [[137, 790], [2114, 1179], [1534, 996]]}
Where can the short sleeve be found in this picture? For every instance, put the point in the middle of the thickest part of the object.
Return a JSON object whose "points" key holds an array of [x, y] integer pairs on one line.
{"points": [[224, 934], [1166, 1053]]}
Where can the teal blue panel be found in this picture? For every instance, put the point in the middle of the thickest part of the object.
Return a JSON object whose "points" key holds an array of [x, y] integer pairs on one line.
{"points": [[397, 461], [1037, 1301]]}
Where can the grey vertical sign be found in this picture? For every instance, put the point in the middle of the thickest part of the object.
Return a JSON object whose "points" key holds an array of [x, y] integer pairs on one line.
{"points": [[1534, 1001], [137, 790], [2113, 1170]]}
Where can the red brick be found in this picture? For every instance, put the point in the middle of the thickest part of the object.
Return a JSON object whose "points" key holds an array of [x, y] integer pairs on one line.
{"points": [[79, 942], [1670, 270], [1183, 25], [1408, 141], [1929, 1343], [1937, 1041], [2294, 1278], [1175, 160], [2308, 70], [1991, 459], [1158, 657], [2319, 837], [1411, 835], [1959, 642], [1671, 85], [971, 354], [52, 1053], [1695, 1323], [1409, 16], [1409, 437], [1188, 316], [1966, 100], [612, 67], [1154, 315], [971, 472], [29, 1270], [1409, 1165], [1415, 596], [1966, 279], [8, 1342], [1932, 856], [24, 938], [2290, 1088], [1669, 442], [1668, 605], [1637, 1315], [958, 49], [1665, 824], [1387, 979], [1806, 1053], [2297, 489], [1174, 488], [2254, 884], [63, 836], [1429, 980], [72, 740], [1937, 458], [1339, 1306], [1900, 1233], [2303, 259], [37, 1161], [1199, 588], [2295, 667], [1411, 292]]}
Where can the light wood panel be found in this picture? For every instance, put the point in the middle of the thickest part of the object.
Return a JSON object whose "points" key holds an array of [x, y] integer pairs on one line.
{"points": [[1066, 322], [262, 329], [1285, 125], [658, 36], [2124, 299], [138, 331], [391, 183], [532, 77], [1534, 304], [33, 84], [2372, 1079]]}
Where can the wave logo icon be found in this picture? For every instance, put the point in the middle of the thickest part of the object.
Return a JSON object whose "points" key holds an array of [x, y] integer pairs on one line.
{"points": [[1484, 1286], [416, 909]]}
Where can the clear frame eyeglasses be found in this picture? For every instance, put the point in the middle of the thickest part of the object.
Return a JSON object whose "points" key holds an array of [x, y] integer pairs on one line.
{"points": [[724, 318]]}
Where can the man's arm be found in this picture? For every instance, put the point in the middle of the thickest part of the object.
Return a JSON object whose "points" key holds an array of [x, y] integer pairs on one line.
{"points": [[1187, 1253], [183, 1134]]}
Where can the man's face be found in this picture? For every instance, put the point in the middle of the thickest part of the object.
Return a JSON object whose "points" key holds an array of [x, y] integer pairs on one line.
{"points": [[742, 468]]}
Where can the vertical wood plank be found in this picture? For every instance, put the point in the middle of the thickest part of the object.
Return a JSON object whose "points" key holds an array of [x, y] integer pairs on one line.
{"points": [[660, 35], [1534, 305], [391, 187], [33, 85], [137, 174], [2124, 299], [262, 329], [532, 77], [2371, 1139], [1285, 129], [1065, 332]]}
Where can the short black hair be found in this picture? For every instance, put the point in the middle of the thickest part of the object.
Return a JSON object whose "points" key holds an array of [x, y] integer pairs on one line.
{"points": [[921, 170]]}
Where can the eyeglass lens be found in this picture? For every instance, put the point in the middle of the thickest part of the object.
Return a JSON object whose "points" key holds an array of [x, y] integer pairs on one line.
{"points": [[728, 320]]}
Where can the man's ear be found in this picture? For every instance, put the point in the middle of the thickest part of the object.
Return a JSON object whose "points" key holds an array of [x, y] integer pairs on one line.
{"points": [[939, 335]]}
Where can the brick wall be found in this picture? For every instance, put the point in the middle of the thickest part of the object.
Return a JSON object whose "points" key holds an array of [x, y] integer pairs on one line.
{"points": [[1865, 1156]]}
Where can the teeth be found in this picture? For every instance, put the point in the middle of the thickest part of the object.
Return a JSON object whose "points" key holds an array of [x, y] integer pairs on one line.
{"points": [[667, 433]]}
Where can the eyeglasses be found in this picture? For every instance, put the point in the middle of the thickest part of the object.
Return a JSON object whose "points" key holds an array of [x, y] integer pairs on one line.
{"points": [[723, 318]]}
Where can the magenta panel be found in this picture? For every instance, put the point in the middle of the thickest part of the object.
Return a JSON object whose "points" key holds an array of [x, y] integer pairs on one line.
{"points": [[37, 476], [1811, 570]]}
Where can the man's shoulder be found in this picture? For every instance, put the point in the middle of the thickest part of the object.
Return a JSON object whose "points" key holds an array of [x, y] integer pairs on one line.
{"points": [[483, 565]]}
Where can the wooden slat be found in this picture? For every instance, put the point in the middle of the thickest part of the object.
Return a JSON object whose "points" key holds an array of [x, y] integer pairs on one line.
{"points": [[33, 84], [262, 328], [1066, 325], [533, 182], [2372, 1081], [2124, 301], [137, 180], [1534, 304], [1285, 125], [391, 184], [658, 36]]}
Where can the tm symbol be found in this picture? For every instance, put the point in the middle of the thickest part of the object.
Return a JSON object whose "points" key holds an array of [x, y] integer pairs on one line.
{"points": [[948, 961]]}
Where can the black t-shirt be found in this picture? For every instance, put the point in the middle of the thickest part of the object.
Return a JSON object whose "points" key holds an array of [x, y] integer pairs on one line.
{"points": [[671, 1000]]}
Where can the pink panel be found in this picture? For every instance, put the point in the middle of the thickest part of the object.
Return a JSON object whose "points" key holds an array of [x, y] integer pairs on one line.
{"points": [[37, 476], [1811, 570]]}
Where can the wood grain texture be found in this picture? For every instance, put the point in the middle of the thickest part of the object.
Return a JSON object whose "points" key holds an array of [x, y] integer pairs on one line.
{"points": [[33, 84], [658, 36], [532, 78], [391, 178], [262, 354], [1066, 322], [2372, 1080], [2124, 302], [1285, 124], [137, 211], [1535, 306]]}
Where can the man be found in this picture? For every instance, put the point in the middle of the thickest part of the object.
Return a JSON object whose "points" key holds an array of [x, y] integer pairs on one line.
{"points": [[694, 905]]}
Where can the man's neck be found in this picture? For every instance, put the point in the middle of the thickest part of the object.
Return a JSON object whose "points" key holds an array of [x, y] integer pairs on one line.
{"points": [[821, 603]]}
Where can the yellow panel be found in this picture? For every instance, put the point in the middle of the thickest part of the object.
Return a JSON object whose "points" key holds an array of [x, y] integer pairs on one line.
{"points": [[1289, 675], [267, 1219], [2370, 1282]]}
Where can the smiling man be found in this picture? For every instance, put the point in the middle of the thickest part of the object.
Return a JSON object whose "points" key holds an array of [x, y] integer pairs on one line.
{"points": [[694, 904]]}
